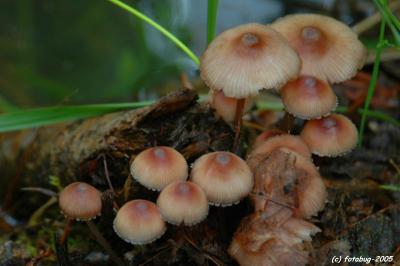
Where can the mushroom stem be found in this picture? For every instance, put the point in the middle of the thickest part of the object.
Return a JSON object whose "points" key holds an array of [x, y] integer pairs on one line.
{"points": [[238, 122], [103, 242], [67, 229]]}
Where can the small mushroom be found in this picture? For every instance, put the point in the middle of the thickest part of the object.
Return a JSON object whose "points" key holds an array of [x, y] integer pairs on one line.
{"points": [[308, 97], [291, 142], [224, 177], [330, 136], [157, 167], [139, 222], [183, 202], [82, 202]]}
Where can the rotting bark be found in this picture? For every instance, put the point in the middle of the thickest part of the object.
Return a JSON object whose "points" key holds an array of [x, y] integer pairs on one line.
{"points": [[71, 151]]}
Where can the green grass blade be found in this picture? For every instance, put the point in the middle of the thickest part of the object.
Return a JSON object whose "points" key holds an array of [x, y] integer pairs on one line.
{"points": [[278, 106], [391, 187], [386, 16], [51, 115], [372, 84], [375, 114], [158, 27], [212, 10]]}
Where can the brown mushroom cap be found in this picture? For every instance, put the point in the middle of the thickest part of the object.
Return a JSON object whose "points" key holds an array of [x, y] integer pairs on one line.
{"points": [[308, 97], [310, 188], [245, 59], [139, 222], [157, 167], [260, 139], [80, 201], [294, 143], [330, 136], [183, 202], [226, 106], [224, 177], [329, 50]]}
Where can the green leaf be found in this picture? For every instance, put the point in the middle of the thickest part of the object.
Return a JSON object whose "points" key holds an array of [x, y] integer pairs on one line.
{"points": [[50, 115]]}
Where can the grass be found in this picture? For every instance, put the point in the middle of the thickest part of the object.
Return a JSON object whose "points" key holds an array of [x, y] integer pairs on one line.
{"points": [[158, 27], [212, 9], [45, 116], [372, 84], [387, 19]]}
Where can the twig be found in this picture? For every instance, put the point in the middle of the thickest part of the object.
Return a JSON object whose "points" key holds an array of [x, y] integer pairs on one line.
{"points": [[371, 21]]}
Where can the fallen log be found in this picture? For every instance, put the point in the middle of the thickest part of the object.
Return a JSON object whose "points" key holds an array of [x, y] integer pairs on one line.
{"points": [[74, 151]]}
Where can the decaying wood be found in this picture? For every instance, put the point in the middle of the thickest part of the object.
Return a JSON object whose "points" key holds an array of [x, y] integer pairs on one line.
{"points": [[71, 151]]}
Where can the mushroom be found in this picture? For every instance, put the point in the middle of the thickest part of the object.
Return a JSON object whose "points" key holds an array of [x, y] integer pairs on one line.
{"points": [[329, 49], [243, 60], [330, 136], [183, 202], [226, 106], [139, 222], [82, 202], [157, 167], [308, 97], [291, 142], [224, 177]]}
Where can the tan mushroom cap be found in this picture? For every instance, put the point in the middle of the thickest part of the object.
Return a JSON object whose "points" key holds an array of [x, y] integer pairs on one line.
{"points": [[80, 201], [159, 166], [224, 106], [263, 137], [139, 222], [291, 142], [331, 136], [245, 59], [308, 97], [183, 202], [224, 177], [329, 49], [310, 188]]}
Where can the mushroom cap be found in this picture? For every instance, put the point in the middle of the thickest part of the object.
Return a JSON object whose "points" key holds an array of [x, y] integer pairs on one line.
{"points": [[245, 59], [80, 201], [183, 202], [159, 166], [260, 139], [291, 142], [224, 177], [139, 222], [329, 49], [330, 136], [226, 106], [308, 97], [310, 188]]}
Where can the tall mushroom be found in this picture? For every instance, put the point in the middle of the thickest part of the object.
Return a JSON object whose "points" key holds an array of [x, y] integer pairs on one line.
{"points": [[243, 60]]}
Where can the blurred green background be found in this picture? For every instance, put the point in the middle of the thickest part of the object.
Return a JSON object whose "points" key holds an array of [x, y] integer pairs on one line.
{"points": [[72, 52]]}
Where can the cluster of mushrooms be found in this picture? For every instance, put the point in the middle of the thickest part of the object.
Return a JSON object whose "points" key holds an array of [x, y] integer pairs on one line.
{"points": [[298, 56], [218, 178]]}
